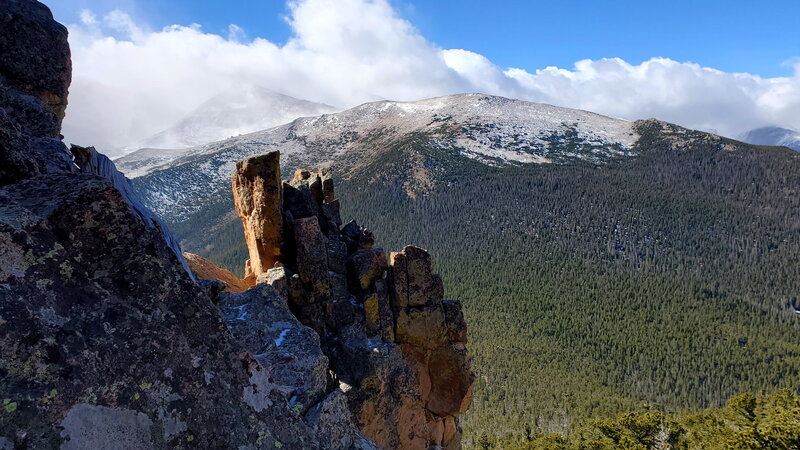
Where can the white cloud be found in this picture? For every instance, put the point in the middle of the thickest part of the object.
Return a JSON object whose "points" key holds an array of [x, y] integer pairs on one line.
{"points": [[130, 82], [236, 33]]}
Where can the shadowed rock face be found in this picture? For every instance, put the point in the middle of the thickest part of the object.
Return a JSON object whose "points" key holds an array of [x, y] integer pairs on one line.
{"points": [[34, 53], [395, 347], [34, 78]]}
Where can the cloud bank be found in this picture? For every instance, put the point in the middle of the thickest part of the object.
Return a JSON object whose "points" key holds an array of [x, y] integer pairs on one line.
{"points": [[130, 82]]}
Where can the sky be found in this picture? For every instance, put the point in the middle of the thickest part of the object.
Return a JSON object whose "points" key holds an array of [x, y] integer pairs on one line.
{"points": [[725, 66]]}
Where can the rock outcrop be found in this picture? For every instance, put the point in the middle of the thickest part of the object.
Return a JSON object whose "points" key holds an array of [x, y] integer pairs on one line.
{"points": [[89, 160], [396, 347], [257, 196], [35, 72], [99, 319]]}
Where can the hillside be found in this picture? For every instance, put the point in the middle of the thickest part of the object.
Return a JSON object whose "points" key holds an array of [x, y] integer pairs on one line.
{"points": [[492, 130], [604, 265]]}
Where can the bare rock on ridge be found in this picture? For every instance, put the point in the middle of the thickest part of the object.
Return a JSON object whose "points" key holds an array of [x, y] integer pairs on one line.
{"points": [[206, 270]]}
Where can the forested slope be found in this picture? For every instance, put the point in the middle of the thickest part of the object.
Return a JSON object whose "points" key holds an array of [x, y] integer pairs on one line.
{"points": [[667, 279]]}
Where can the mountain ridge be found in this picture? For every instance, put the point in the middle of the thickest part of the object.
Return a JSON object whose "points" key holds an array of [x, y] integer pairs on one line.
{"points": [[411, 116]]}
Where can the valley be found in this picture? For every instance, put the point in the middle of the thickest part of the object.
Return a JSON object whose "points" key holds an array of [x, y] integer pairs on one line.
{"points": [[604, 266]]}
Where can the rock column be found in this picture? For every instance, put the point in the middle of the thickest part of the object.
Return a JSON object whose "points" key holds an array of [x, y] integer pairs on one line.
{"points": [[257, 195], [432, 335]]}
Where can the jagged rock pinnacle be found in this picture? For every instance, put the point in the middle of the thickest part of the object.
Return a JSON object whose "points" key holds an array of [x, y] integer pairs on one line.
{"points": [[258, 197], [383, 323]]}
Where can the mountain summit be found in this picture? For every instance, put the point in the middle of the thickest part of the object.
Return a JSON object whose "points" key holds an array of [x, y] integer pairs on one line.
{"points": [[491, 129]]}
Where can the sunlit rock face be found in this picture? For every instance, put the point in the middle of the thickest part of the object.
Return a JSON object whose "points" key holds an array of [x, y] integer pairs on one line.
{"points": [[257, 196]]}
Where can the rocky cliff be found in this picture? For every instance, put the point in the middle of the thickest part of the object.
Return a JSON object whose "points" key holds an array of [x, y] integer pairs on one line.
{"points": [[396, 348], [106, 341]]}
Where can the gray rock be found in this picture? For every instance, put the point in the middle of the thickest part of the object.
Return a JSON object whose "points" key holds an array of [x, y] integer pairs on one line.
{"points": [[331, 420], [91, 426], [337, 256], [34, 53], [312, 258], [89, 160], [261, 322], [365, 266], [34, 78], [97, 302]]}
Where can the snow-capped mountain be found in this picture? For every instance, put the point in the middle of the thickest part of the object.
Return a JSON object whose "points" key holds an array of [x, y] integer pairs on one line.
{"points": [[245, 110], [493, 130], [773, 136]]}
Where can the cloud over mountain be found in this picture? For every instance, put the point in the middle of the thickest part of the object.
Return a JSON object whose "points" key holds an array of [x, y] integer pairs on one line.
{"points": [[131, 82]]}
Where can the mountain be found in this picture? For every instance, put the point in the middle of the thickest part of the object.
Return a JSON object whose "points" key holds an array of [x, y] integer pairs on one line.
{"points": [[603, 265], [773, 136], [493, 130], [247, 109]]}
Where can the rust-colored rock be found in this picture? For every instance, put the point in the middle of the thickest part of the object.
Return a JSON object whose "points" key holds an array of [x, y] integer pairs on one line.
{"points": [[257, 195], [421, 327], [207, 270], [432, 337], [378, 313], [451, 380]]}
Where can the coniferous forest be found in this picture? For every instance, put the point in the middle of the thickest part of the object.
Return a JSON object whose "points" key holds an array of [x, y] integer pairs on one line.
{"points": [[609, 305]]}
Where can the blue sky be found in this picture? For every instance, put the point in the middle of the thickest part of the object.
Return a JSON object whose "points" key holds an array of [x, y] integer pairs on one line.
{"points": [[757, 37]]}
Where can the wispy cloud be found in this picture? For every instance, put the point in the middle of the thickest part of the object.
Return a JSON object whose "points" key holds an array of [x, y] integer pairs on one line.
{"points": [[131, 82]]}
